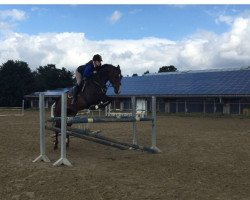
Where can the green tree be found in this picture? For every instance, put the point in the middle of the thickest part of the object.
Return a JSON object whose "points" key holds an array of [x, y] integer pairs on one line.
{"points": [[169, 68], [146, 72], [16, 80], [49, 78]]}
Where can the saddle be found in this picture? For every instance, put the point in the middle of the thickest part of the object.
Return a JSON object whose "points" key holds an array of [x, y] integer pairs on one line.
{"points": [[71, 90]]}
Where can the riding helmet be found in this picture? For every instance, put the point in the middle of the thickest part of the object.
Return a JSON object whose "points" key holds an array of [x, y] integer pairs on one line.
{"points": [[97, 57]]}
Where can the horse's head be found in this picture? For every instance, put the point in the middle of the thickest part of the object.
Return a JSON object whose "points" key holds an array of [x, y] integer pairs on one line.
{"points": [[114, 77]]}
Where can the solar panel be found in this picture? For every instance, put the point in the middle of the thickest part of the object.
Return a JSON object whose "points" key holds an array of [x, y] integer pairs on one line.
{"points": [[196, 83]]}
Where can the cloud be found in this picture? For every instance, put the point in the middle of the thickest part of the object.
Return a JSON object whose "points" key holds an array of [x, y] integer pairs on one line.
{"points": [[202, 50], [115, 17], [224, 19], [38, 10], [13, 15], [135, 11], [5, 26], [8, 19]]}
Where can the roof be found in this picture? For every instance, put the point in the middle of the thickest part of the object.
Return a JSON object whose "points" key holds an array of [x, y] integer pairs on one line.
{"points": [[201, 83], [49, 93], [234, 82]]}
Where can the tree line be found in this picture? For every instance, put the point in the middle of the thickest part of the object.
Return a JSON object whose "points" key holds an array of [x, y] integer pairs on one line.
{"points": [[17, 79]]}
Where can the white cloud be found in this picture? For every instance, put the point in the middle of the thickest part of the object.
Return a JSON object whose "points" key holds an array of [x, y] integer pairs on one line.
{"points": [[135, 11], [13, 15], [38, 10], [203, 50], [5, 26], [115, 17], [224, 19], [8, 19]]}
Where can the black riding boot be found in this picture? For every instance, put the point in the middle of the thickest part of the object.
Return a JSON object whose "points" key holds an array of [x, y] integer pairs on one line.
{"points": [[76, 90]]}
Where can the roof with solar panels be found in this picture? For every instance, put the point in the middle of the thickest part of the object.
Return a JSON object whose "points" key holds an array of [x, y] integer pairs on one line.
{"points": [[200, 83], [227, 82]]}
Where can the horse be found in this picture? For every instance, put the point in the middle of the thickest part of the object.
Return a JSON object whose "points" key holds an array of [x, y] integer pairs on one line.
{"points": [[92, 95]]}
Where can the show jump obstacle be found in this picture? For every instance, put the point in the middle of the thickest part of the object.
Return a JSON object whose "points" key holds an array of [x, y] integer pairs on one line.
{"points": [[88, 135]]}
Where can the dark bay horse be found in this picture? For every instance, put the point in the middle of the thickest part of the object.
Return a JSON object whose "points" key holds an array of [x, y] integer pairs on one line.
{"points": [[93, 94]]}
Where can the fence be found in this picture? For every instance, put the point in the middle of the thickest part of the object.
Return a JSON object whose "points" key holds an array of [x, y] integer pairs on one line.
{"points": [[12, 111]]}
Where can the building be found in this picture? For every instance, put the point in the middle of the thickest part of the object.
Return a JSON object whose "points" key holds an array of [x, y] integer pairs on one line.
{"points": [[51, 95], [208, 91], [204, 91]]}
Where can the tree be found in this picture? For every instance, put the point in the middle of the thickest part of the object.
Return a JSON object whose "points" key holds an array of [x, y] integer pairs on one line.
{"points": [[49, 78], [134, 75], [16, 80], [169, 68], [146, 72]]}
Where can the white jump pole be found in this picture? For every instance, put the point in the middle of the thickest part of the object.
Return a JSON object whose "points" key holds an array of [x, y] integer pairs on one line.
{"points": [[153, 135], [42, 156], [63, 160], [134, 134]]}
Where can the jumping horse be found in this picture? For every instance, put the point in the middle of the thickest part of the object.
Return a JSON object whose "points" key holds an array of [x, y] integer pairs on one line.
{"points": [[92, 95]]}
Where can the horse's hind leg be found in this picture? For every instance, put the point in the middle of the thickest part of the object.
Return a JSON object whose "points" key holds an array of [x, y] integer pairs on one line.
{"points": [[67, 138], [56, 141], [67, 141]]}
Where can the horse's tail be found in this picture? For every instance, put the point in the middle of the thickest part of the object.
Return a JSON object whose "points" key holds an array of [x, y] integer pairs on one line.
{"points": [[52, 110], [53, 107], [56, 108]]}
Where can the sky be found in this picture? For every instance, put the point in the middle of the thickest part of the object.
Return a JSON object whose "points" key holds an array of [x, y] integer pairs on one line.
{"points": [[137, 37]]}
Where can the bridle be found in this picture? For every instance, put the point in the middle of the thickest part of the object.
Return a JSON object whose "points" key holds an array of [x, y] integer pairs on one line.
{"points": [[104, 87]]}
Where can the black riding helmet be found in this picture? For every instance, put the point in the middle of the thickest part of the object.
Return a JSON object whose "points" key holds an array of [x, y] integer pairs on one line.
{"points": [[97, 57]]}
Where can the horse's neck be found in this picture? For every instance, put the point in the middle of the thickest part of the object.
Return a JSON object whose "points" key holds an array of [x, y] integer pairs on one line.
{"points": [[103, 76]]}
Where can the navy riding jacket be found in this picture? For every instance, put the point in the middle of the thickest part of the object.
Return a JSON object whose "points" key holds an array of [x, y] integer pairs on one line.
{"points": [[86, 70]]}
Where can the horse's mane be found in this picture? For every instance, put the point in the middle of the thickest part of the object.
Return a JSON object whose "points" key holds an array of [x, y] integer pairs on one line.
{"points": [[107, 65]]}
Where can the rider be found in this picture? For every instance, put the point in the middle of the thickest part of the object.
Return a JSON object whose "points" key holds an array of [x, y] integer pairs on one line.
{"points": [[84, 72]]}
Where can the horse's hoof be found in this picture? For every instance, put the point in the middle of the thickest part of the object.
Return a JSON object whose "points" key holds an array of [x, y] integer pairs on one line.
{"points": [[92, 107]]}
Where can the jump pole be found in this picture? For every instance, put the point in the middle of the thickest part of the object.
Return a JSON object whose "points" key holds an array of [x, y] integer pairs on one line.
{"points": [[42, 156], [63, 160], [153, 133], [134, 134]]}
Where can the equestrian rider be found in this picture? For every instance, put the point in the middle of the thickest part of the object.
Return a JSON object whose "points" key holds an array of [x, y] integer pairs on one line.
{"points": [[84, 72]]}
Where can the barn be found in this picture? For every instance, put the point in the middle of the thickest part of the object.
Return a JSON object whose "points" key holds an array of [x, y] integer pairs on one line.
{"points": [[203, 91], [225, 91]]}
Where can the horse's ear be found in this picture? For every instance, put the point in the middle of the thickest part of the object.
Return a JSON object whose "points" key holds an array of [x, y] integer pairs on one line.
{"points": [[118, 66]]}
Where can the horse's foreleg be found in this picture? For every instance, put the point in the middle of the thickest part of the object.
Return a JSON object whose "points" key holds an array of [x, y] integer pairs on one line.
{"points": [[104, 102]]}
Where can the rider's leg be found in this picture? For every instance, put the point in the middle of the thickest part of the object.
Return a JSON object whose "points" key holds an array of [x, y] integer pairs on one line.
{"points": [[77, 87]]}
